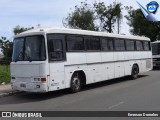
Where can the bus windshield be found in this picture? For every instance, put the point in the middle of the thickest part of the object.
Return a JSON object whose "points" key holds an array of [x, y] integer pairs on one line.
{"points": [[155, 48], [30, 48]]}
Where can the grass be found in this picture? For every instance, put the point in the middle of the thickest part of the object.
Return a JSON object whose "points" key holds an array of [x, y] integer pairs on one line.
{"points": [[4, 74]]}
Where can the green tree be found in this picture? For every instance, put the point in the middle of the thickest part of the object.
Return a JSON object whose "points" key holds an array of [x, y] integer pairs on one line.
{"points": [[140, 26], [6, 48], [108, 15], [19, 29], [7, 45], [82, 17]]}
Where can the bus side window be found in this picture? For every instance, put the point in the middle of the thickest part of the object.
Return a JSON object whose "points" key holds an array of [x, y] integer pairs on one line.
{"points": [[93, 43], [130, 45], [122, 44], [139, 45], [75, 43], [119, 45], [110, 44], [146, 46], [56, 49], [107, 44]]}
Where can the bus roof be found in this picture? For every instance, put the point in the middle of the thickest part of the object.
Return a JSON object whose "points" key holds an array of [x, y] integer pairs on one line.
{"points": [[156, 42], [77, 32]]}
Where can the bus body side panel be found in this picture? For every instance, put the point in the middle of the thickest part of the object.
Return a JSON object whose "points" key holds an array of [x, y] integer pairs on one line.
{"points": [[107, 65], [149, 65], [143, 59], [110, 70], [94, 73], [128, 57], [57, 79], [93, 60], [75, 62], [137, 57], [119, 64], [69, 71]]}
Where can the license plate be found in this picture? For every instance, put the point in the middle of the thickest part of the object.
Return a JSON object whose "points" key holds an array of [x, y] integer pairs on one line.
{"points": [[22, 85]]}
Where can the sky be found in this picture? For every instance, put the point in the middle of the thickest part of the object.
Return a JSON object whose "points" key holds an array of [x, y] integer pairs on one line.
{"points": [[47, 13]]}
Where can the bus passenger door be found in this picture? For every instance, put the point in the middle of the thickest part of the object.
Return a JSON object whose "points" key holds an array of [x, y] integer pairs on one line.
{"points": [[57, 58]]}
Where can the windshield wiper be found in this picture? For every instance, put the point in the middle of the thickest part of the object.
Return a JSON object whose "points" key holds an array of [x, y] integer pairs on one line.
{"points": [[20, 53], [25, 55], [28, 57]]}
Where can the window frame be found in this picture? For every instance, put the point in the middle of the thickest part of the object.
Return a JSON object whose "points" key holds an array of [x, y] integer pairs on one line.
{"points": [[133, 45], [66, 42], [107, 39], [24, 37], [136, 45], [85, 40], [149, 45], [55, 37], [119, 39]]}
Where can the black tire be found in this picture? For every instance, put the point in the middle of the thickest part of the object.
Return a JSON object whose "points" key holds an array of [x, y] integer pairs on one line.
{"points": [[76, 83], [134, 73]]}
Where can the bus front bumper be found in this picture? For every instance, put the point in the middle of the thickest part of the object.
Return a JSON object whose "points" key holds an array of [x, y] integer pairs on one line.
{"points": [[30, 87]]}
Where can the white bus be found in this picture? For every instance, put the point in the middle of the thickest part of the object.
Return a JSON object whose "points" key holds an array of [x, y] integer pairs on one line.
{"points": [[156, 53], [51, 59]]}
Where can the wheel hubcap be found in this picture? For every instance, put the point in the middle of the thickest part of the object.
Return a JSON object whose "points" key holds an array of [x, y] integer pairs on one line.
{"points": [[135, 71], [76, 83]]}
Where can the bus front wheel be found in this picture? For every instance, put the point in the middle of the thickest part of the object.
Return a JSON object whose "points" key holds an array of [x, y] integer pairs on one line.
{"points": [[135, 71], [75, 83]]}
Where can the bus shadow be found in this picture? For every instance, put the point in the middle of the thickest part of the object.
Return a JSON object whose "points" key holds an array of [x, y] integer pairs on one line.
{"points": [[25, 97], [156, 69], [110, 82]]}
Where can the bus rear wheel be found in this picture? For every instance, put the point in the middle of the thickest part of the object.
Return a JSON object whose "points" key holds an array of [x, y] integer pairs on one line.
{"points": [[76, 83], [135, 71]]}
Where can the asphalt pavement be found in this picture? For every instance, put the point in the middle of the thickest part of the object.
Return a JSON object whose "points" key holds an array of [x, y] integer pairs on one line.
{"points": [[120, 94], [6, 90]]}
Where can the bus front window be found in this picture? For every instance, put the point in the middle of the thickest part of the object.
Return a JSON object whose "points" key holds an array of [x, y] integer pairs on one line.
{"points": [[30, 48]]}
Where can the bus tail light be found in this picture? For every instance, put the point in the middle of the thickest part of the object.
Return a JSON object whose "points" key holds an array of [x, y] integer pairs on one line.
{"points": [[43, 80]]}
